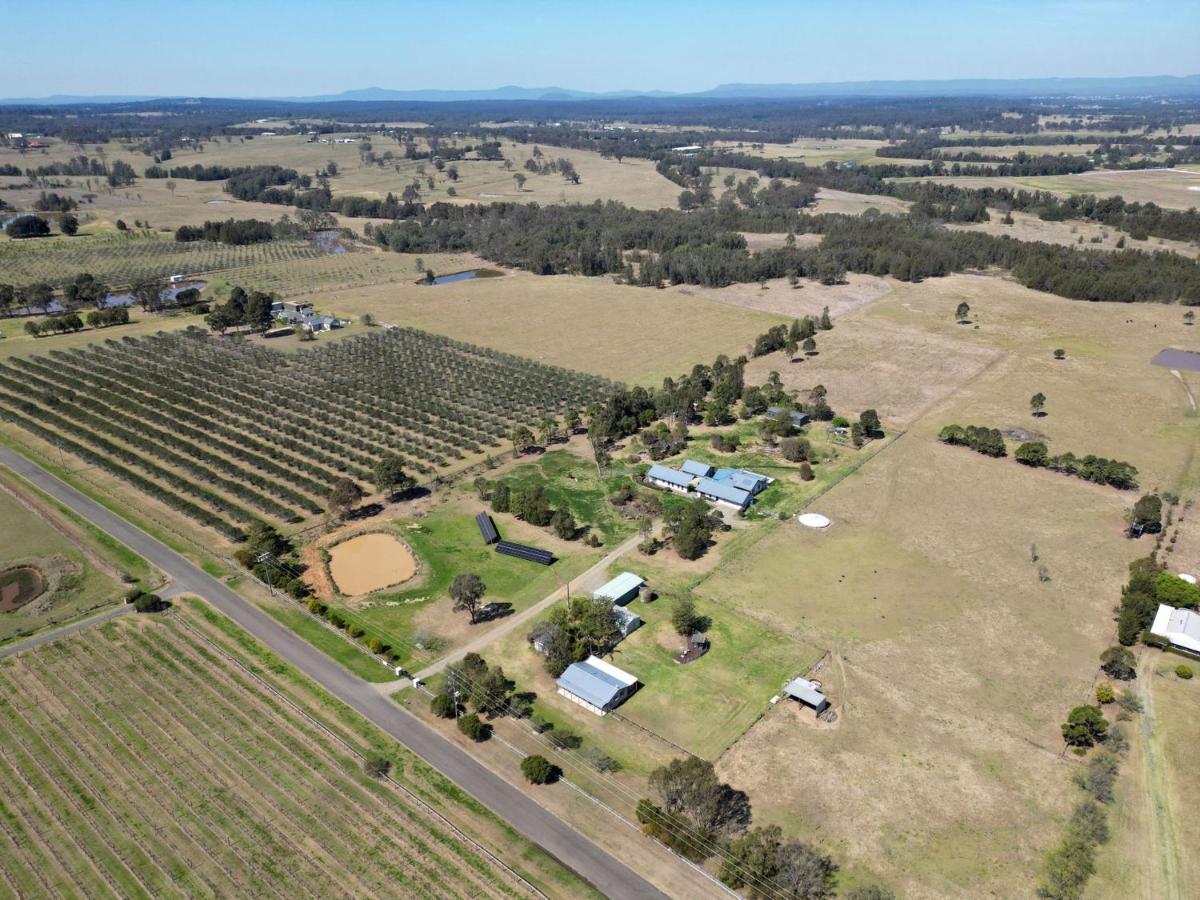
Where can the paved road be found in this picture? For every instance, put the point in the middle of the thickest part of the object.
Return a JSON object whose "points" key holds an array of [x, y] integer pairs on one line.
{"points": [[55, 633], [605, 872], [506, 626]]}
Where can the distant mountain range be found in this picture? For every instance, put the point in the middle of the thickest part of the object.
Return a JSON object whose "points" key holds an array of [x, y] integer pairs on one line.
{"points": [[1132, 86]]}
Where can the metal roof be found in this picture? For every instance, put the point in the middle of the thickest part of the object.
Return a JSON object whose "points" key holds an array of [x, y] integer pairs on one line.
{"points": [[692, 467], [1180, 626], [595, 681], [722, 491], [797, 417], [805, 690], [670, 476], [618, 587]]}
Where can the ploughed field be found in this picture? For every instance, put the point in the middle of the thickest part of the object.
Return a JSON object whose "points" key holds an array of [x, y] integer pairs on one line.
{"points": [[226, 432], [144, 759]]}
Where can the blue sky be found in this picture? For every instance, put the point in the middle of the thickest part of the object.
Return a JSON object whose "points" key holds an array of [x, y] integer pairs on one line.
{"points": [[298, 47]]}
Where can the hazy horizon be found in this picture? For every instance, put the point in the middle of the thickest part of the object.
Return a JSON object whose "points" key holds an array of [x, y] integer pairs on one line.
{"points": [[305, 48]]}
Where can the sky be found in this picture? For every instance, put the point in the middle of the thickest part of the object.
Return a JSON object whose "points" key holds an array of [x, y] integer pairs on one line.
{"points": [[239, 48]]}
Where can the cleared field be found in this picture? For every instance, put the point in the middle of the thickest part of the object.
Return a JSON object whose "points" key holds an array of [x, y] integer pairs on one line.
{"points": [[952, 662], [1172, 188], [626, 333], [831, 201], [809, 298], [171, 416], [146, 773], [68, 582], [1074, 233], [819, 152]]}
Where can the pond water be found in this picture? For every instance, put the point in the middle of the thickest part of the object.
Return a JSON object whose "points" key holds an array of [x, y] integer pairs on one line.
{"points": [[450, 279]]}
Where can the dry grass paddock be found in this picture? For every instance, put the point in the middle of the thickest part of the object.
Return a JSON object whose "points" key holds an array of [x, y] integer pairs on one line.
{"points": [[626, 333], [1173, 188], [953, 663], [1026, 227]]}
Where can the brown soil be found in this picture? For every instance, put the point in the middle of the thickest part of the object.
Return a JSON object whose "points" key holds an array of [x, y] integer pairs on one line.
{"points": [[371, 562], [19, 586]]}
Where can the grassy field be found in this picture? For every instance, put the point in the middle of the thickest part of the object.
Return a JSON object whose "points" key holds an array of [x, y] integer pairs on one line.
{"points": [[81, 575], [159, 796], [626, 333], [952, 663], [1073, 233], [1172, 188], [818, 152], [447, 542]]}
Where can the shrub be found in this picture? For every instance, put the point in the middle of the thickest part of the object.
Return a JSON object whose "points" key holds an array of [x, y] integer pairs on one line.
{"points": [[539, 770], [474, 728], [443, 706], [1119, 663], [147, 603], [375, 645], [354, 631], [564, 739], [377, 766], [1105, 693], [1084, 726], [1184, 671]]}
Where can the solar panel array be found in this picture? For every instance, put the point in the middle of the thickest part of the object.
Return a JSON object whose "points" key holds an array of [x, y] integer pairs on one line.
{"points": [[487, 528], [521, 551]]}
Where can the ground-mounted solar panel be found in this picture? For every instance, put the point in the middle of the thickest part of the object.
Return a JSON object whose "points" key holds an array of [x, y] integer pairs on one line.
{"points": [[521, 551], [487, 528]]}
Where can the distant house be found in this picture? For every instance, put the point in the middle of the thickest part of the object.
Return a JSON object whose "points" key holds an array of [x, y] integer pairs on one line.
{"points": [[620, 590], [723, 493], [699, 469], [292, 312], [596, 685], [808, 693], [799, 419], [750, 482], [320, 323], [627, 620], [669, 479], [1179, 627]]}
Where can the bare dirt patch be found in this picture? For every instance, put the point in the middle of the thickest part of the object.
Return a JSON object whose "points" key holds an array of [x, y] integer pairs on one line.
{"points": [[20, 585], [371, 562]]}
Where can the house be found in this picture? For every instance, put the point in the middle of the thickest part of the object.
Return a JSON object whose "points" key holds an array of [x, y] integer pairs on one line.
{"points": [[670, 479], [808, 693], [1179, 627], [627, 620], [750, 482], [699, 469], [320, 323], [293, 312], [596, 685], [798, 418], [620, 590], [723, 493]]}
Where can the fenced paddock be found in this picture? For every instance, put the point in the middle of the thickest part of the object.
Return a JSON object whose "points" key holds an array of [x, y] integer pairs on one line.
{"points": [[142, 760]]}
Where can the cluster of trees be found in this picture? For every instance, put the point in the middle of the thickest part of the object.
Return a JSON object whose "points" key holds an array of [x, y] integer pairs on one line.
{"points": [[691, 525], [538, 164], [263, 184], [980, 438], [574, 631], [472, 683], [27, 227], [1097, 469], [54, 202], [145, 602], [1149, 585], [97, 318], [242, 310], [531, 505], [800, 333], [198, 172], [231, 231]]}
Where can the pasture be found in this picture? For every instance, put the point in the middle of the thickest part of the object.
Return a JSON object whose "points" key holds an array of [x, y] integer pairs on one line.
{"points": [[1171, 188], [947, 647], [138, 767], [625, 333]]}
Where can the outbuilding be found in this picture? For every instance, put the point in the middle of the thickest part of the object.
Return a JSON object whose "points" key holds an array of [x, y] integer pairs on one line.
{"points": [[1179, 627], [627, 620], [596, 685], [799, 419], [620, 590], [808, 693]]}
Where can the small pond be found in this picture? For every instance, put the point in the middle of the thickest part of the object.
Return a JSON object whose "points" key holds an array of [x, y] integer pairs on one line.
{"points": [[450, 279]]}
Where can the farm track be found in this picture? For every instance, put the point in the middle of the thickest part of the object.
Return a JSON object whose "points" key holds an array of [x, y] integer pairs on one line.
{"points": [[152, 772], [606, 872]]}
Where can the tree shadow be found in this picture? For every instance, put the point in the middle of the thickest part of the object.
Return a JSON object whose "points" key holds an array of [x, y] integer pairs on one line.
{"points": [[489, 612], [364, 512]]}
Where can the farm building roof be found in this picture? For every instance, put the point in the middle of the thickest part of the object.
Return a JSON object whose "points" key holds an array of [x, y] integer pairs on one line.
{"points": [[670, 476], [743, 480], [804, 690], [618, 587], [595, 681], [1179, 626], [1177, 359], [692, 467], [627, 620], [721, 491]]}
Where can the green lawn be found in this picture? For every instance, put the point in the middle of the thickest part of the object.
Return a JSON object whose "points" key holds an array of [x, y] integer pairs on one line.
{"points": [[572, 482], [447, 542]]}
